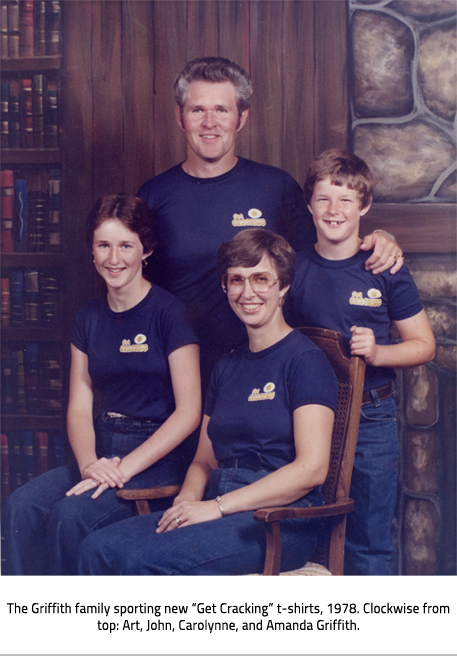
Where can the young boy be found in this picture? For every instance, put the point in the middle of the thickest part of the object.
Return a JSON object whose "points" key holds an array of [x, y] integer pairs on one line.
{"points": [[333, 290]]}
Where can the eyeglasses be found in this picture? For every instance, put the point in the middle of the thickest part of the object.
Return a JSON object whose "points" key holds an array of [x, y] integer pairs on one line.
{"points": [[260, 283]]}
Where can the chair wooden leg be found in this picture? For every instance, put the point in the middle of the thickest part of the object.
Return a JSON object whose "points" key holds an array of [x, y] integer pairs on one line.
{"points": [[273, 554], [142, 507], [336, 554]]}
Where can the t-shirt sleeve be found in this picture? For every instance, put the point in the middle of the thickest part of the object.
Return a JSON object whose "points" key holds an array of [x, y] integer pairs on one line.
{"points": [[312, 381], [404, 301], [176, 327], [79, 333]]}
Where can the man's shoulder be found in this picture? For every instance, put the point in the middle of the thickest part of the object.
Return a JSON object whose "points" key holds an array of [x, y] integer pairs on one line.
{"points": [[166, 178], [262, 169]]}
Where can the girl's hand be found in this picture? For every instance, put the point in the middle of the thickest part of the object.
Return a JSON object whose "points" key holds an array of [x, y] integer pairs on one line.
{"points": [[102, 474], [186, 513], [363, 344]]}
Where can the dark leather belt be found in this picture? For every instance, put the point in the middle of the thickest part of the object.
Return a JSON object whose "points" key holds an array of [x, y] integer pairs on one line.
{"points": [[382, 393], [251, 461]]}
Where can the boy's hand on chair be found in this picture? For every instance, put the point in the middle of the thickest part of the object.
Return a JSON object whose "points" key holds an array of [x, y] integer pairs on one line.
{"points": [[363, 343]]}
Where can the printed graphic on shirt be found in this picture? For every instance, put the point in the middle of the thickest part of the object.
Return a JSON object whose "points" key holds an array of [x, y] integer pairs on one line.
{"points": [[254, 219], [268, 393], [138, 346], [373, 298]]}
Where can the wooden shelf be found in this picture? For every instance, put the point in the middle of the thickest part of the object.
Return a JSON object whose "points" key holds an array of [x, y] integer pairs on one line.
{"points": [[32, 334], [31, 156], [33, 422], [24, 64], [30, 260]]}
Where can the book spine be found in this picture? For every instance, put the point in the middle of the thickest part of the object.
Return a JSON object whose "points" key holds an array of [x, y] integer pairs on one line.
{"points": [[42, 441], [20, 396], [20, 225], [37, 221], [27, 454], [50, 294], [5, 122], [5, 466], [37, 111], [7, 210], [51, 121], [14, 115], [57, 445], [13, 28], [16, 463], [4, 28], [7, 382], [6, 303], [26, 112], [52, 377], [31, 297], [53, 11], [26, 28], [17, 293], [31, 377], [39, 19], [54, 230]]}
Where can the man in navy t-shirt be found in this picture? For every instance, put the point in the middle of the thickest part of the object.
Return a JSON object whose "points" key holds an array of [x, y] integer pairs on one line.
{"points": [[214, 194]]}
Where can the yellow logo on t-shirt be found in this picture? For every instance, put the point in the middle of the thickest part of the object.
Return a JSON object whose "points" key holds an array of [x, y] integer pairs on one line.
{"points": [[140, 345], [254, 219], [268, 393], [373, 300]]}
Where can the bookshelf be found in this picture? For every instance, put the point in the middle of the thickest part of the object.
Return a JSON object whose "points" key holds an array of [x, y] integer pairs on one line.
{"points": [[32, 264]]}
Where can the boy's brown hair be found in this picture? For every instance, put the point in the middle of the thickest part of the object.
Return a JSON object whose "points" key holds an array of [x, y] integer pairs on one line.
{"points": [[343, 169]]}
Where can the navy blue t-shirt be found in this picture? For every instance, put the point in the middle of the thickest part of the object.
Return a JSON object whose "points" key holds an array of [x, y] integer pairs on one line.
{"points": [[194, 216], [128, 352], [340, 294], [252, 397]]}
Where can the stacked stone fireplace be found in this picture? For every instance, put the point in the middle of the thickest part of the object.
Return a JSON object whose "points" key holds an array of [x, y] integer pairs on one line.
{"points": [[403, 107]]}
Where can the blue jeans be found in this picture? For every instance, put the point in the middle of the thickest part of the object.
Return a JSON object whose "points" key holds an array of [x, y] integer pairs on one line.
{"points": [[232, 545], [369, 547], [43, 529]]}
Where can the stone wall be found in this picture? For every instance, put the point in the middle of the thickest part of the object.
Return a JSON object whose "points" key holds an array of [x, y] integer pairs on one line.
{"points": [[403, 105]]}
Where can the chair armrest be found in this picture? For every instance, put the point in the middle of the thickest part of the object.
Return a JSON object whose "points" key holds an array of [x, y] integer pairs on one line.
{"points": [[149, 494], [271, 517], [270, 514]]}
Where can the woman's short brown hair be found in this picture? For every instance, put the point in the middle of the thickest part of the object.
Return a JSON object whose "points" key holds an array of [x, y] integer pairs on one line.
{"points": [[132, 211], [343, 169], [249, 246]]}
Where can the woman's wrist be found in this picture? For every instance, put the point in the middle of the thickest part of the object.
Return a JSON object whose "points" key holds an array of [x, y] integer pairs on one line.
{"points": [[219, 503]]}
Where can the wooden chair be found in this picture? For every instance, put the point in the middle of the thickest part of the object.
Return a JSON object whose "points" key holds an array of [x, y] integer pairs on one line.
{"points": [[329, 555]]}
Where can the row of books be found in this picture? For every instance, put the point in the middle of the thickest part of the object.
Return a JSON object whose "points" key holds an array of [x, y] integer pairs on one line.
{"points": [[30, 113], [30, 28], [29, 298], [31, 379], [25, 454], [31, 211]]}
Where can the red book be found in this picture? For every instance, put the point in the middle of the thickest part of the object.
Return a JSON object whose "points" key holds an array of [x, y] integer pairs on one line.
{"points": [[7, 206], [26, 28]]}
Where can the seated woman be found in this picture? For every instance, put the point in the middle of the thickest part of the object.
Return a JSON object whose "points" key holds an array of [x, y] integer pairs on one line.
{"points": [[136, 346], [265, 440]]}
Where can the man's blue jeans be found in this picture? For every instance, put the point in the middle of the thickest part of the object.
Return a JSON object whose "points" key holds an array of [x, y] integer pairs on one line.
{"points": [[43, 529], [369, 547], [231, 545]]}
